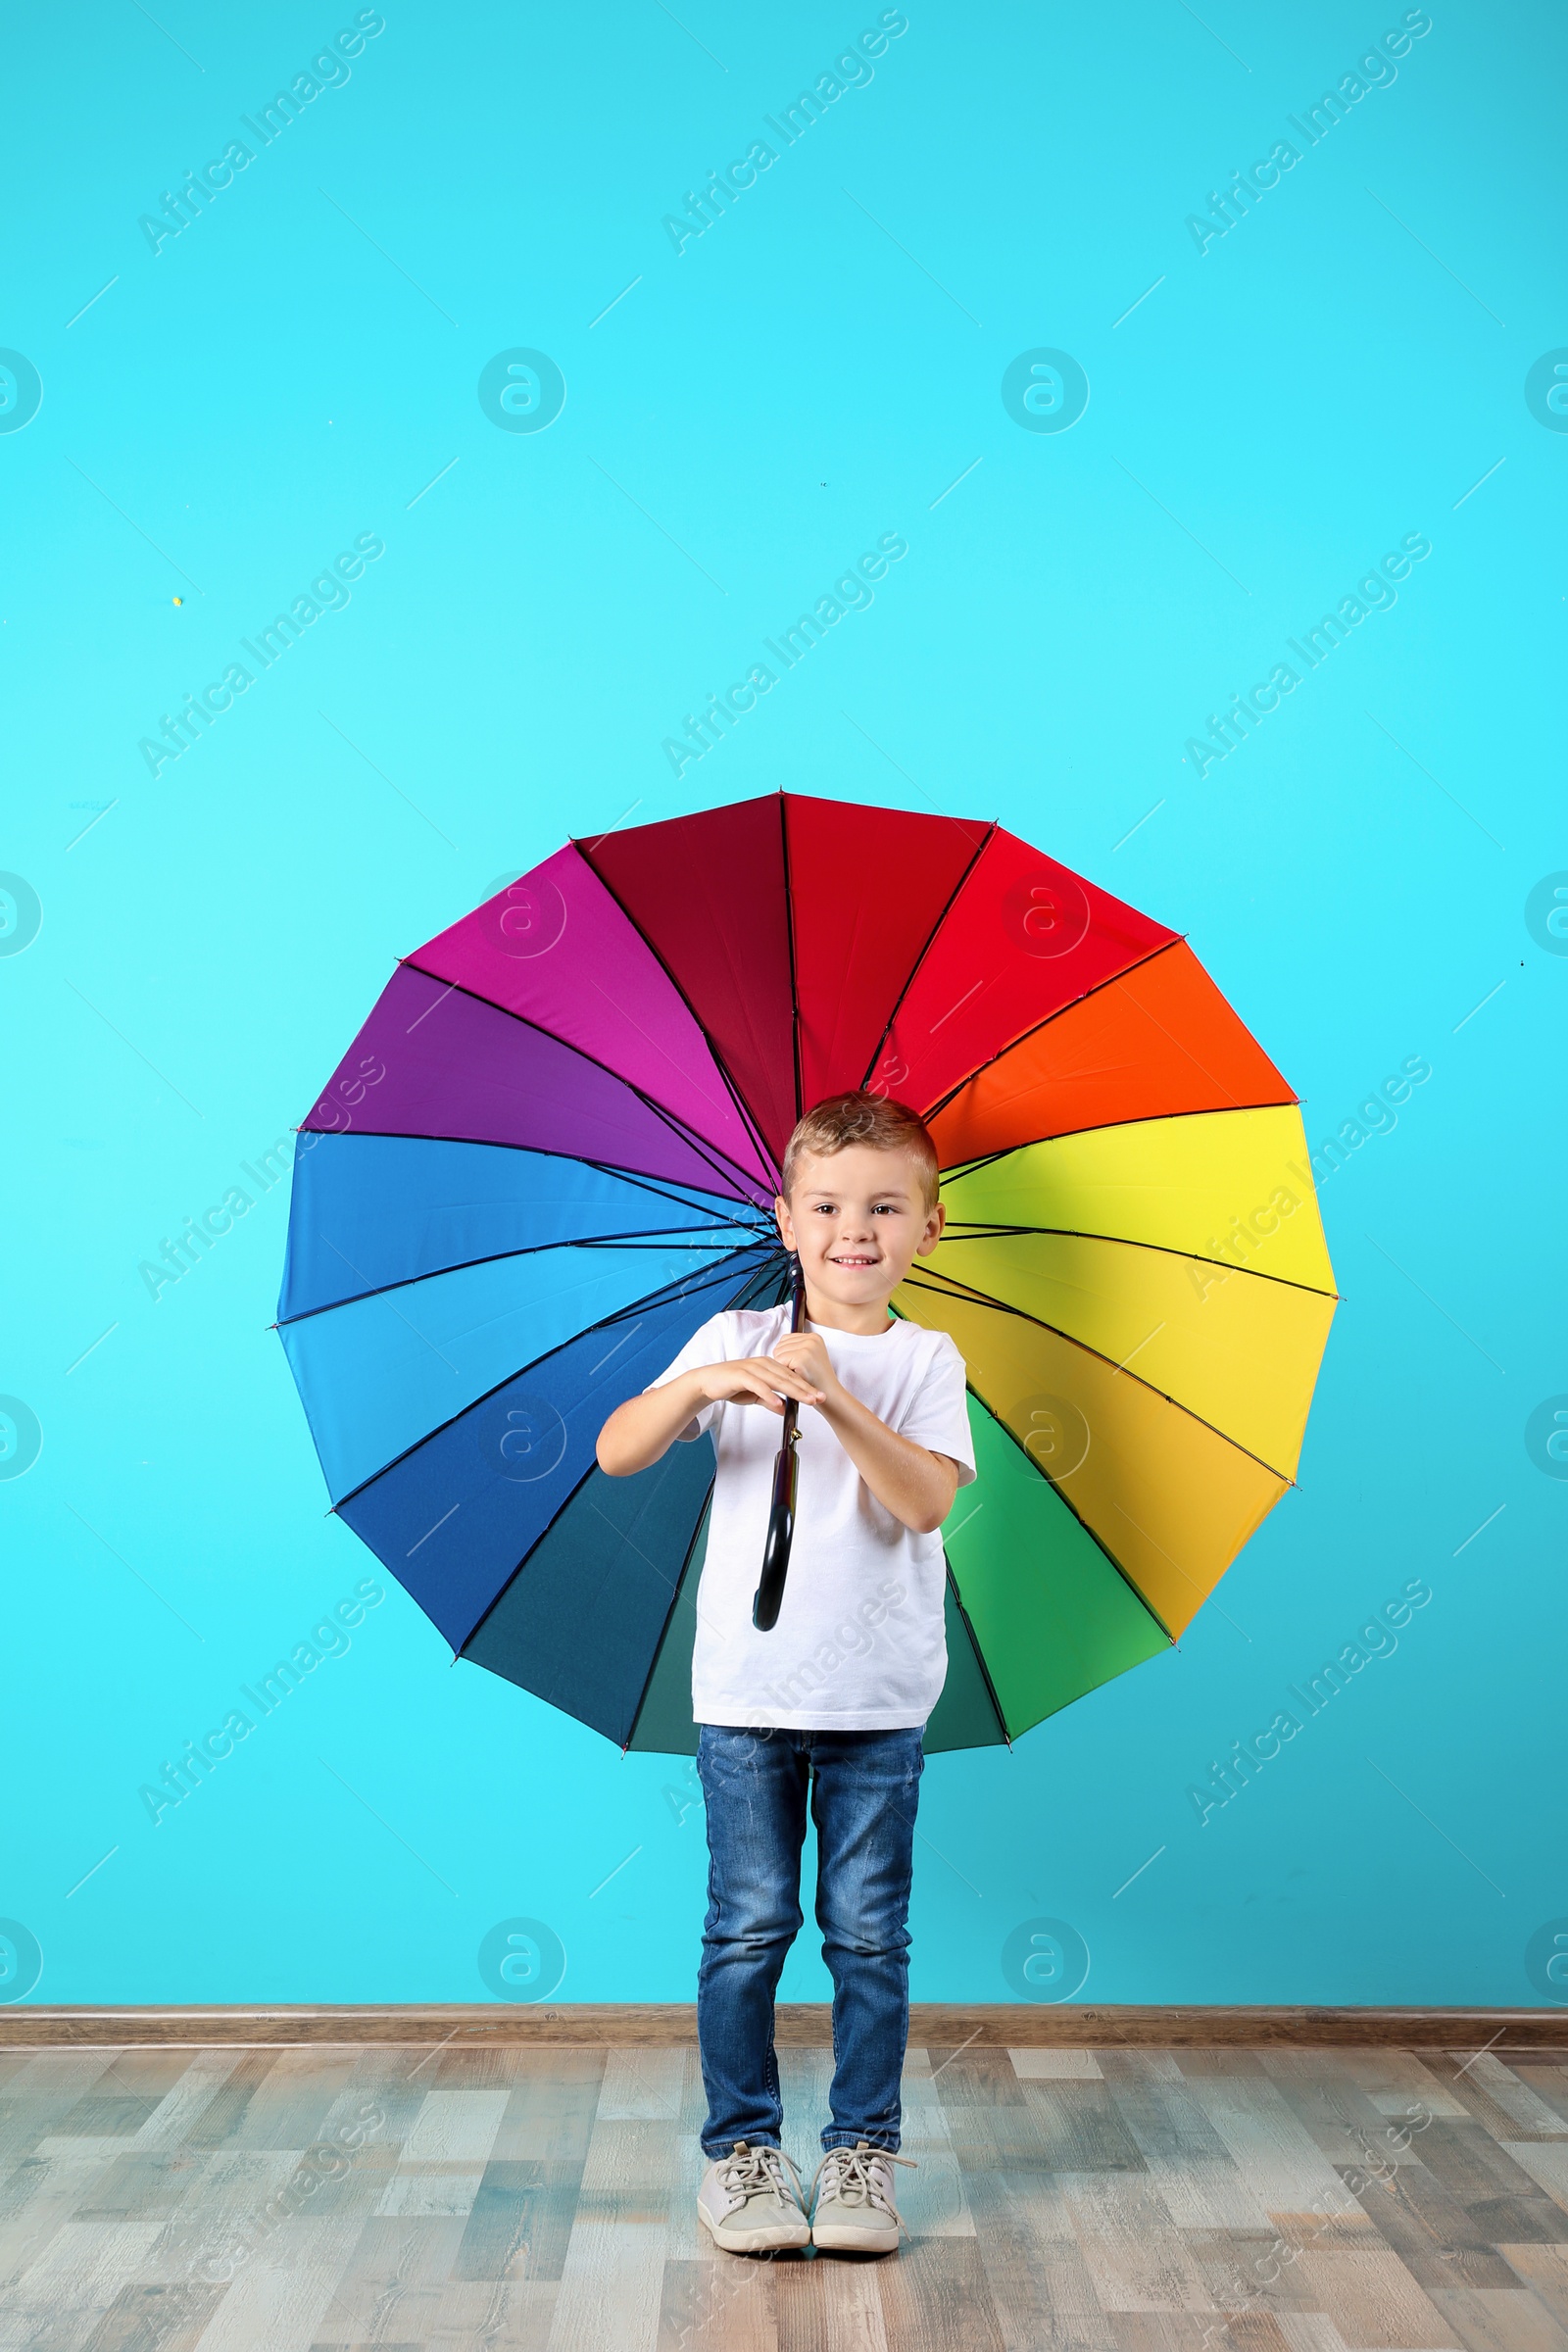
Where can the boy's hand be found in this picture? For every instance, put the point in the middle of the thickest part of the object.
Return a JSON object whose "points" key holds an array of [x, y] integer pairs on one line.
{"points": [[805, 1352], [640, 1432], [760, 1380]]}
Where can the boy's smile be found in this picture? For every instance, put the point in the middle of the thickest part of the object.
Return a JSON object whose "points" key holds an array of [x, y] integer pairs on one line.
{"points": [[857, 1220]]}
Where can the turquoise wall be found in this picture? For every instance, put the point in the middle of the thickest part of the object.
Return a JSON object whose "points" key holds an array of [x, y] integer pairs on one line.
{"points": [[1363, 356]]}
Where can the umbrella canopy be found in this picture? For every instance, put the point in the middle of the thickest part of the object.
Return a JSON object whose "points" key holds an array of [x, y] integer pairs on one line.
{"points": [[551, 1154]]}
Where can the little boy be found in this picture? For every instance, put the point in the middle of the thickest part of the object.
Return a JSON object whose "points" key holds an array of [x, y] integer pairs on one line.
{"points": [[830, 1706]]}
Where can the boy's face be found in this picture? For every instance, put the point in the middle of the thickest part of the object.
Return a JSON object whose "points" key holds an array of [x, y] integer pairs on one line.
{"points": [[857, 1220]]}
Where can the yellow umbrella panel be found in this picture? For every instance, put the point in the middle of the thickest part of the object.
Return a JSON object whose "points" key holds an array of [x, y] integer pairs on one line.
{"points": [[1142, 1309]]}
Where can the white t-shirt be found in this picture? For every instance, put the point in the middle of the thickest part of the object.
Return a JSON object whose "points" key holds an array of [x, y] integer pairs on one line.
{"points": [[860, 1641]]}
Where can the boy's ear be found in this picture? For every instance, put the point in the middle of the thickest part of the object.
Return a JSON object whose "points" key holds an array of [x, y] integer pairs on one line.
{"points": [[786, 1227], [935, 1221]]}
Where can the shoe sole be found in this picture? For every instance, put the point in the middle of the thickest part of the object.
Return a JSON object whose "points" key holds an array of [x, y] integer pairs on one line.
{"points": [[848, 2238], [775, 2237]]}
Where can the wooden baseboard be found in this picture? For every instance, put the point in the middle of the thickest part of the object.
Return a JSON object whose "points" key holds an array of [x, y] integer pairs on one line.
{"points": [[943, 2023]]}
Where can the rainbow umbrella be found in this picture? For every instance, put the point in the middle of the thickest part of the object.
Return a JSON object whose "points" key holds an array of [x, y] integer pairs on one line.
{"points": [[551, 1154]]}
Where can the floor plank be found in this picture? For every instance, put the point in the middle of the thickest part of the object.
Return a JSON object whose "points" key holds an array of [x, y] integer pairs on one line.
{"points": [[976, 2078], [1485, 2321], [224, 2113], [1042, 2293], [513, 2317], [155, 2319], [824, 2307], [714, 2307], [60, 2297], [390, 2288], [1276, 2154], [642, 2084], [1197, 2177], [1056, 2065], [1503, 2197], [1545, 2270], [188, 2098], [1082, 2128], [443, 2157], [276, 2299], [1345, 2122], [1549, 2083], [1435, 2236], [1137, 2258], [935, 2298], [1248, 2270], [1493, 2094], [1546, 2163], [1373, 2300], [612, 2288]]}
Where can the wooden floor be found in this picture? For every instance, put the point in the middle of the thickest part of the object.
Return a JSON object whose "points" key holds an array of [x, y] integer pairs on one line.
{"points": [[1126, 2200]]}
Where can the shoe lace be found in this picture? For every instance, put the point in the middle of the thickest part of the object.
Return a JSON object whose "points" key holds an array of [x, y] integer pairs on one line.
{"points": [[748, 2170], [852, 2179]]}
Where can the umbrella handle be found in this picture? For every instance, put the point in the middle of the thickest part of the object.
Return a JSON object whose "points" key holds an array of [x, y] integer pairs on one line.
{"points": [[780, 1529], [781, 1517]]}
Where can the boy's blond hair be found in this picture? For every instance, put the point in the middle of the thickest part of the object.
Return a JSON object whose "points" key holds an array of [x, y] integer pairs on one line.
{"points": [[862, 1118]]}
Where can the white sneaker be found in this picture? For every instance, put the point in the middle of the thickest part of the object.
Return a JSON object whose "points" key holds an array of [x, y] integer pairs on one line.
{"points": [[853, 2206], [750, 2202]]}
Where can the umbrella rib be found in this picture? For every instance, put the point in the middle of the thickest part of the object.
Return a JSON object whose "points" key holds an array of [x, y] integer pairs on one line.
{"points": [[581, 1492], [957, 1230], [953, 895], [1095, 1538], [704, 1146], [641, 1177], [945, 1288], [1112, 980], [789, 934], [604, 1323], [659, 1186], [669, 1617], [1147, 1118], [968, 828], [841, 995], [697, 1610], [622, 1008], [1203, 1595], [494, 1258], [1061, 1078], [554, 1520], [722, 1073], [739, 994], [630, 1016], [494, 1602], [649, 1038], [988, 1159], [979, 1653], [741, 1103], [1192, 1056]]}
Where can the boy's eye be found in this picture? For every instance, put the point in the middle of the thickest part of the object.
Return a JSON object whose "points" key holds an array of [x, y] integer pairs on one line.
{"points": [[881, 1208]]}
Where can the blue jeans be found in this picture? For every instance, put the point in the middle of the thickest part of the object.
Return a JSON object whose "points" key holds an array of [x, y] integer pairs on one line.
{"points": [[864, 1789]]}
